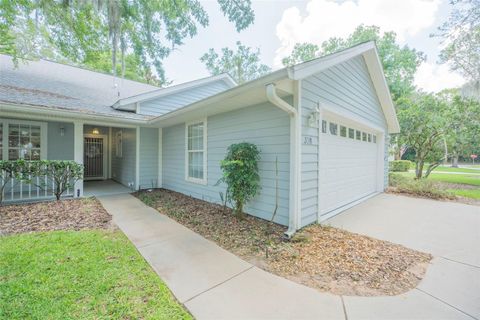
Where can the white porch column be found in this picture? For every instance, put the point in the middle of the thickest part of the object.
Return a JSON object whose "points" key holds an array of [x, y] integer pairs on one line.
{"points": [[137, 158], [160, 165], [78, 154]]}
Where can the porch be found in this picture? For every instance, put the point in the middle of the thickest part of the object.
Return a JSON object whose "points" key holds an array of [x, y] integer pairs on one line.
{"points": [[110, 153]]}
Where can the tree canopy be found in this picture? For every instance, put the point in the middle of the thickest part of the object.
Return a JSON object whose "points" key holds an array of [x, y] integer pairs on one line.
{"points": [[461, 34], [81, 31], [301, 52], [242, 65]]}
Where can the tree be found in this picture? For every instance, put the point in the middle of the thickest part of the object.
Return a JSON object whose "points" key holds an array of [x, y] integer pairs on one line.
{"points": [[464, 114], [240, 173], [423, 124], [301, 52], [242, 65], [461, 34], [80, 29]]}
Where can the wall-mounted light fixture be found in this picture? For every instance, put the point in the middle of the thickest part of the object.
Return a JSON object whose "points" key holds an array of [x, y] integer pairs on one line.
{"points": [[95, 131], [62, 131]]}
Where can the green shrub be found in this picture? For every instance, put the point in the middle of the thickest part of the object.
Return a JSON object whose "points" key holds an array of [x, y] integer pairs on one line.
{"points": [[240, 173], [400, 165], [63, 173], [419, 187]]}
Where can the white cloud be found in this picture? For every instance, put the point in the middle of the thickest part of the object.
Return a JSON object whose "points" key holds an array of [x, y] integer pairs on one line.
{"points": [[325, 18], [433, 77]]}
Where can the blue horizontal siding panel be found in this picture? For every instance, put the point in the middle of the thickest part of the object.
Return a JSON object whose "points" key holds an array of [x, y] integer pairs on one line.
{"points": [[123, 168], [346, 86], [174, 101], [148, 158], [264, 125]]}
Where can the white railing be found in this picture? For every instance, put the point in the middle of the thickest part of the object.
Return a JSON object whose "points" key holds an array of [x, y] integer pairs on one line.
{"points": [[37, 188]]}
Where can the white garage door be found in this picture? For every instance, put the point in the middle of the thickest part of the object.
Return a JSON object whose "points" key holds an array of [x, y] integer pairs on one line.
{"points": [[348, 165]]}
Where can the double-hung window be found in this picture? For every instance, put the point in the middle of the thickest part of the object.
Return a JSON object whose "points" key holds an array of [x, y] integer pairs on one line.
{"points": [[22, 140], [196, 152]]}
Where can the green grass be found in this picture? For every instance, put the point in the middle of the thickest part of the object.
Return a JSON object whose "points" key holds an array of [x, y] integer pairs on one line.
{"points": [[467, 193], [472, 180], [450, 169], [80, 275]]}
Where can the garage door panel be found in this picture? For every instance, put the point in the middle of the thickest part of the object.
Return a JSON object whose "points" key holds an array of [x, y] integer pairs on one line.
{"points": [[348, 170]]}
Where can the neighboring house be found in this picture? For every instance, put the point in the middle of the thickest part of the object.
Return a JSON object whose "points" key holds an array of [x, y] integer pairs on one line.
{"points": [[326, 122]]}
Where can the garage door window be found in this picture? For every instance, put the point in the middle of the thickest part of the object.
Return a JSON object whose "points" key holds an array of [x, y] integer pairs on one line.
{"points": [[351, 133], [358, 135], [374, 139], [333, 128], [343, 131], [324, 126], [364, 136]]}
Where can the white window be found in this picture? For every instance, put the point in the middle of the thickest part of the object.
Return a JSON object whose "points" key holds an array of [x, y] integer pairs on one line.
{"points": [[351, 133], [343, 131], [119, 144], [22, 140], [196, 152], [333, 128]]}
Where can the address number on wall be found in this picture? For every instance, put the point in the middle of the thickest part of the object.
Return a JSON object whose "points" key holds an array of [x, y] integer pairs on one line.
{"points": [[307, 140]]}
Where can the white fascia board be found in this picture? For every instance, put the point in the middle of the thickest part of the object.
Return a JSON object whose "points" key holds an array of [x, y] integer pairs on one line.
{"points": [[375, 69], [173, 89], [303, 70]]}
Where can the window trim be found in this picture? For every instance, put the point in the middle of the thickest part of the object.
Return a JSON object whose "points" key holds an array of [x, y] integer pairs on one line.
{"points": [[203, 181], [43, 135]]}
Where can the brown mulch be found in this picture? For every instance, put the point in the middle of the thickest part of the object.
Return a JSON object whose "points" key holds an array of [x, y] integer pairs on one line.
{"points": [[325, 258], [71, 214]]}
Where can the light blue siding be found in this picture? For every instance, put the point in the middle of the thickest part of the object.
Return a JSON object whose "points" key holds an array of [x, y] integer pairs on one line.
{"points": [[60, 147], [264, 125], [123, 168], [185, 97], [148, 158], [348, 87]]}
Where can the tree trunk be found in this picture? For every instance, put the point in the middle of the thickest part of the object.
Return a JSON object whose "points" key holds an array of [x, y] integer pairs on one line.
{"points": [[455, 160], [419, 163], [446, 151]]}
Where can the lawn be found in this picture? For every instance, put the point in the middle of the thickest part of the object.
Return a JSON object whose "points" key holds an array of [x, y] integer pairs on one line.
{"points": [[95, 274], [67, 260], [451, 169], [463, 185]]}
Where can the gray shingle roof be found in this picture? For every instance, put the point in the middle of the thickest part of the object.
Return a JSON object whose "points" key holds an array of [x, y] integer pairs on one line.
{"points": [[54, 85]]}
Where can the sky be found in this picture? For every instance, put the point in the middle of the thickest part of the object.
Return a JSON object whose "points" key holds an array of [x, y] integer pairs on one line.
{"points": [[279, 24]]}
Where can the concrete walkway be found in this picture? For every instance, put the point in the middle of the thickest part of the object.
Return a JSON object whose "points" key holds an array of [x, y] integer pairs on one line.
{"points": [[212, 283]]}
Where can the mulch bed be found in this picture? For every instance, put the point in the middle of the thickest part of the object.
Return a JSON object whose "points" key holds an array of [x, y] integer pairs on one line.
{"points": [[72, 214], [325, 258]]}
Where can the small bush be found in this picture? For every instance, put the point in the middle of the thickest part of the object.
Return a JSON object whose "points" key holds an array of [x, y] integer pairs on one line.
{"points": [[400, 165], [418, 187], [240, 173]]}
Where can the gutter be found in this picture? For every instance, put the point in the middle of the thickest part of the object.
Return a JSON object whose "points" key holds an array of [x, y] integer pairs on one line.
{"points": [[272, 96]]}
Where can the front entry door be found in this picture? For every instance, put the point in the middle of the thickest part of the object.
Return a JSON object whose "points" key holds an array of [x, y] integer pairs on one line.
{"points": [[94, 159]]}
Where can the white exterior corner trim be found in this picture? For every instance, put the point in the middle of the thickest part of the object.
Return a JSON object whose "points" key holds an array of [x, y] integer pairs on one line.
{"points": [[295, 154], [137, 158], [160, 158], [78, 154]]}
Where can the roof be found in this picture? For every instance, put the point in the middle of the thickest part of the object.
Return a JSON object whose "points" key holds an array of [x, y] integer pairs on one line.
{"points": [[175, 89], [59, 86]]}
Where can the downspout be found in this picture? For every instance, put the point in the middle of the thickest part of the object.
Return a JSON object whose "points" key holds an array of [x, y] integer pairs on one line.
{"points": [[294, 150]]}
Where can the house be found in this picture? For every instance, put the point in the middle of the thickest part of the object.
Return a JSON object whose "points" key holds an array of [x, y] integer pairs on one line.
{"points": [[325, 123]]}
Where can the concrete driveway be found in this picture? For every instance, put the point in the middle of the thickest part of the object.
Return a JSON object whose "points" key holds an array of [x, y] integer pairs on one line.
{"points": [[212, 283], [449, 231]]}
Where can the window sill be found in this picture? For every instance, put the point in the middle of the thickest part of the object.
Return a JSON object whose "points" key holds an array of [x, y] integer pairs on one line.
{"points": [[196, 181]]}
